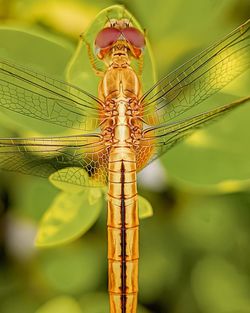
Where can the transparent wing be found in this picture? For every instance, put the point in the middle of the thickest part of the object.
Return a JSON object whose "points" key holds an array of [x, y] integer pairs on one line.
{"points": [[36, 95], [44, 156], [199, 78], [159, 139]]}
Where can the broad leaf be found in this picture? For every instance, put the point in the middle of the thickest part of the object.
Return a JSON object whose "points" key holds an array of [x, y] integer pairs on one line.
{"points": [[62, 304], [70, 216], [145, 208]]}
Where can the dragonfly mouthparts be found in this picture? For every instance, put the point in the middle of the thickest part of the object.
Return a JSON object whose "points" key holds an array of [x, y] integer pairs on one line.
{"points": [[120, 53]]}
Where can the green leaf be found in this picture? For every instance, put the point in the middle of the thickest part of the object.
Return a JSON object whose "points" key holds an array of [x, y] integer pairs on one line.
{"points": [[232, 288], [16, 43], [33, 195], [216, 155], [76, 268], [145, 208], [70, 216], [76, 184], [61, 304], [46, 56], [173, 38], [206, 223]]}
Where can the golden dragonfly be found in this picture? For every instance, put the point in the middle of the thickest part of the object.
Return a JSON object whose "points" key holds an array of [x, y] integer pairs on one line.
{"points": [[121, 130]]}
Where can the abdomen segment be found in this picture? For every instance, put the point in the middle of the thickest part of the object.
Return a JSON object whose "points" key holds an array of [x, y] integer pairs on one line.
{"points": [[123, 231]]}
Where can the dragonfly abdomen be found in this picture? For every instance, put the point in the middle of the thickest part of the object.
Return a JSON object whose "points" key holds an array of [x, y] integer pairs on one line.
{"points": [[123, 230]]}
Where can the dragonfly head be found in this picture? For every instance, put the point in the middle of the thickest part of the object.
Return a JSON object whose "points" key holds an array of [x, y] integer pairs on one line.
{"points": [[119, 35]]}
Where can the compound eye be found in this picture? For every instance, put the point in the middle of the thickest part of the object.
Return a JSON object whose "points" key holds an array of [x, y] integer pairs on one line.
{"points": [[106, 37], [134, 36]]}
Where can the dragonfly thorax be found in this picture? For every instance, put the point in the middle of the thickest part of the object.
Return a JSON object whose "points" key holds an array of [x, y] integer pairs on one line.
{"points": [[119, 81], [122, 125]]}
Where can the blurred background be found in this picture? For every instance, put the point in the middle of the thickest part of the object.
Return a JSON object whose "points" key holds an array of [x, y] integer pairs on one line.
{"points": [[195, 249]]}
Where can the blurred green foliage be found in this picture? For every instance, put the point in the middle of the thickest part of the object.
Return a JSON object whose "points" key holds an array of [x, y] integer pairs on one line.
{"points": [[194, 251]]}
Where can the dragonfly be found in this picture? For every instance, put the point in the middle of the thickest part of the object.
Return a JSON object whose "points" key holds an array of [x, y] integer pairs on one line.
{"points": [[119, 131]]}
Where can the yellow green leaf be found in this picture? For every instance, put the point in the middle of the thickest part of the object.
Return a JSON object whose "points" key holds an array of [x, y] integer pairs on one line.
{"points": [[61, 304], [70, 179], [70, 216], [145, 208]]}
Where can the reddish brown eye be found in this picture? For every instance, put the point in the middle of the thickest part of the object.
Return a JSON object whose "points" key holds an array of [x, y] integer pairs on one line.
{"points": [[106, 37], [134, 36]]}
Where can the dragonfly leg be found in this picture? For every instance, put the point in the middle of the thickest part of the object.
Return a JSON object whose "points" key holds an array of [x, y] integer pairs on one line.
{"points": [[92, 60], [140, 68]]}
